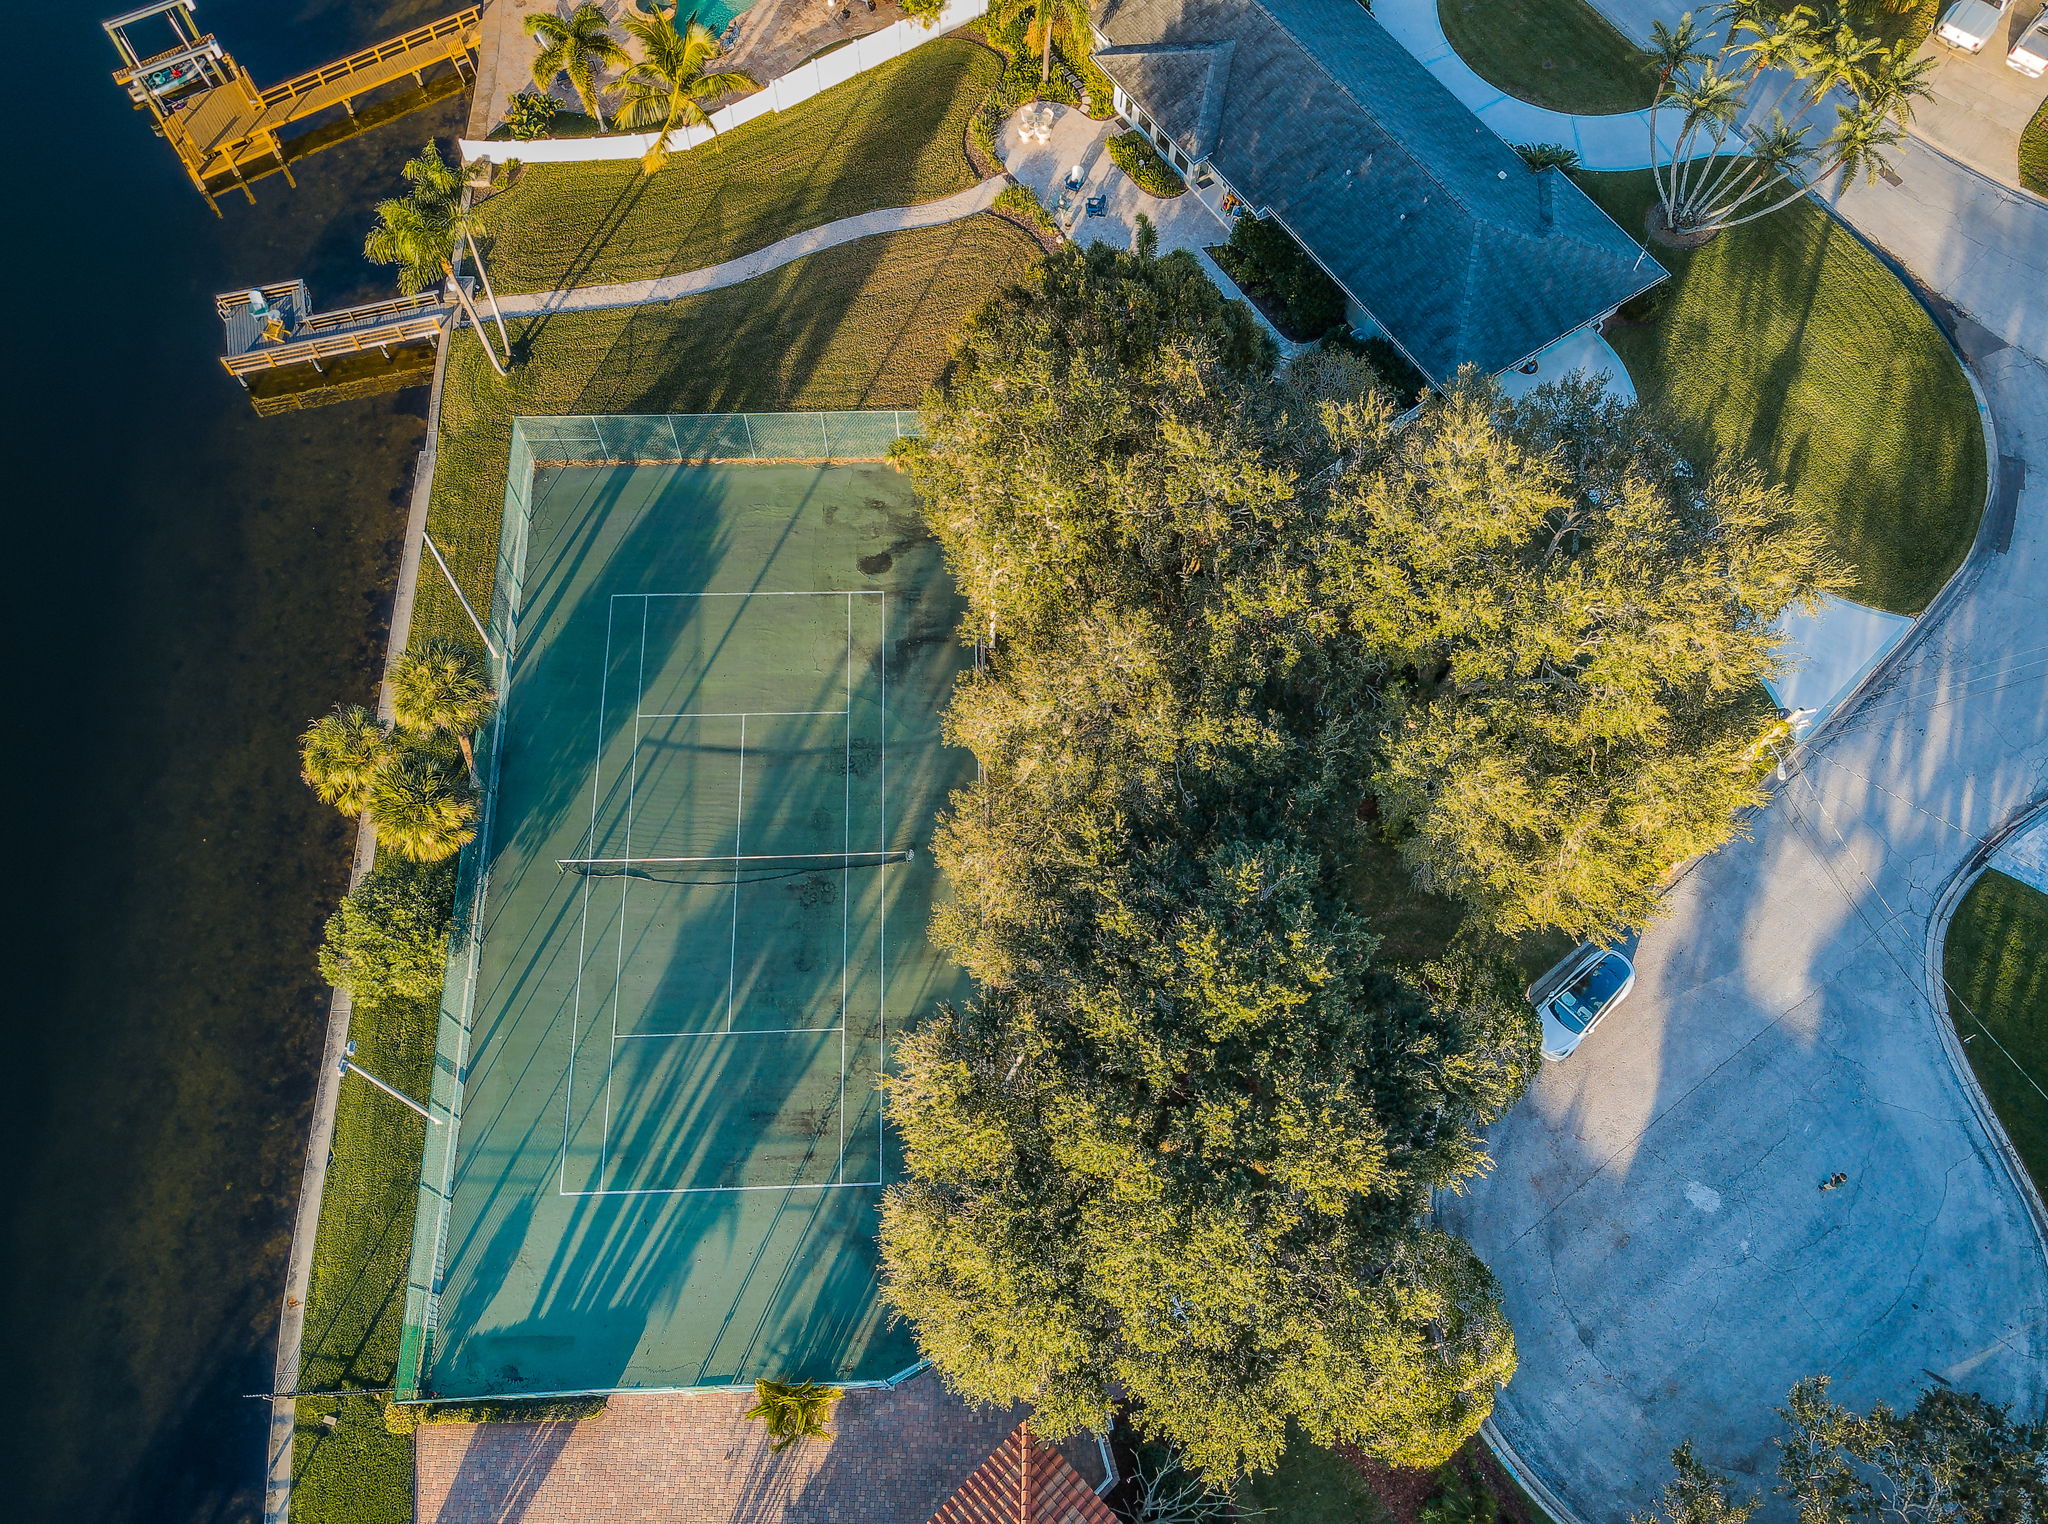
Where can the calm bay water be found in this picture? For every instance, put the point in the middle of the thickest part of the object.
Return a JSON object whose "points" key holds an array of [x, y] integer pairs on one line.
{"points": [[186, 585]]}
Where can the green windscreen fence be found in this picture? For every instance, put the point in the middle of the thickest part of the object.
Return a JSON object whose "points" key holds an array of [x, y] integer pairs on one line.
{"points": [[694, 916]]}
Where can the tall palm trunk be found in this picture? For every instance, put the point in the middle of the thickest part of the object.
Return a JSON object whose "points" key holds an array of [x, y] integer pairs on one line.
{"points": [[484, 275], [469, 308], [1045, 63]]}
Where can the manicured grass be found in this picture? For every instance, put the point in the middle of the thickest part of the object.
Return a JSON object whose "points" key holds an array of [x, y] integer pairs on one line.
{"points": [[1562, 54], [868, 324], [891, 136], [1311, 1486], [1996, 964], [357, 1473], [1787, 342], [2034, 153]]}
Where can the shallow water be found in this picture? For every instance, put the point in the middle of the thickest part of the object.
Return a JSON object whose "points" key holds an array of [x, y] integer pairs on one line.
{"points": [[189, 584]]}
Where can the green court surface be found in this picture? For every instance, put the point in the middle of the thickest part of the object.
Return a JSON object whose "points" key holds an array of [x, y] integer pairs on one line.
{"points": [[703, 905]]}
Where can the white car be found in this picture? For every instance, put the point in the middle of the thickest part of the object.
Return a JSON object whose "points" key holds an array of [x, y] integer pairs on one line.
{"points": [[1969, 24], [2030, 54], [1595, 981]]}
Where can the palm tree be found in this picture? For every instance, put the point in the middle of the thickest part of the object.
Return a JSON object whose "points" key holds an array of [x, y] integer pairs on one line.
{"points": [[1896, 83], [419, 235], [793, 1410], [439, 687], [422, 810], [1675, 51], [577, 45], [433, 178], [1819, 54], [341, 755], [1047, 17], [1709, 101], [669, 85]]}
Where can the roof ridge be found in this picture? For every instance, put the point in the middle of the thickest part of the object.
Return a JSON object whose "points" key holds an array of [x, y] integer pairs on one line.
{"points": [[1428, 170]]}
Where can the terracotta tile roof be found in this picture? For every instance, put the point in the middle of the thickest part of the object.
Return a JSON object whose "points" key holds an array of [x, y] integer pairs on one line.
{"points": [[1025, 1482]]}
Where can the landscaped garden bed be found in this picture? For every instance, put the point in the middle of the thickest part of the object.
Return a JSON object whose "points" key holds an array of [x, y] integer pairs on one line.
{"points": [[1133, 153]]}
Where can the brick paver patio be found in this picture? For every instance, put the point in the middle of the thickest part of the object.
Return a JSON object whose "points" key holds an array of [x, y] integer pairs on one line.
{"points": [[689, 1458]]}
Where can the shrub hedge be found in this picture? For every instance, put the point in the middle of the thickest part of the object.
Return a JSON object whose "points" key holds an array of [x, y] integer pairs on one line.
{"points": [[403, 1418], [1276, 272]]}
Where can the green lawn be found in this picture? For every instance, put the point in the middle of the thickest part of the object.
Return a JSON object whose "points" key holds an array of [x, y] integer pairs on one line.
{"points": [[889, 137], [356, 1473], [2034, 153], [1788, 342], [867, 324], [1562, 54], [1311, 1485], [1996, 965]]}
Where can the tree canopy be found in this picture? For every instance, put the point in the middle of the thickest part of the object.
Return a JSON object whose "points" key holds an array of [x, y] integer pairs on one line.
{"points": [[1951, 1458], [1178, 1148], [388, 939]]}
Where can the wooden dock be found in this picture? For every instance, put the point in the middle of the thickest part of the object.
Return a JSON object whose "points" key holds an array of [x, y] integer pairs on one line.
{"points": [[272, 330], [226, 131]]}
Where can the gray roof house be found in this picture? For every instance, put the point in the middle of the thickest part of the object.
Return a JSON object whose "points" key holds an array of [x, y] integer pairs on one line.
{"points": [[1308, 111]]}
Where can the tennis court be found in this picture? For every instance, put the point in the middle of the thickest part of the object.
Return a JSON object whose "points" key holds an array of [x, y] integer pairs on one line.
{"points": [[702, 900]]}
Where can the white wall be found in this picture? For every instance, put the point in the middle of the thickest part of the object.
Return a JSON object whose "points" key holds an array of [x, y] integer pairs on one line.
{"points": [[800, 84]]}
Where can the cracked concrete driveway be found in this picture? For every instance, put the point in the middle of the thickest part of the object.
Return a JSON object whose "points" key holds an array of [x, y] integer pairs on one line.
{"points": [[1655, 1218]]}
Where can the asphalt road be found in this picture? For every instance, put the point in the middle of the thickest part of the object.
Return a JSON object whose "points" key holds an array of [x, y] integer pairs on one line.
{"points": [[1655, 1217]]}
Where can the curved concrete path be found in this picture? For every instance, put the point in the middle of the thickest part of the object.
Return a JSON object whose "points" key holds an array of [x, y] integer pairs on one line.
{"points": [[668, 288], [1621, 141]]}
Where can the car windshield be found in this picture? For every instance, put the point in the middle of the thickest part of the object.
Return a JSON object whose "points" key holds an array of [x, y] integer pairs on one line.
{"points": [[1580, 1001]]}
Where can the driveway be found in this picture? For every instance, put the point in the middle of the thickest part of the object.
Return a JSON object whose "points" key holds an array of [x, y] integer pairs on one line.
{"points": [[1655, 1217], [1977, 104]]}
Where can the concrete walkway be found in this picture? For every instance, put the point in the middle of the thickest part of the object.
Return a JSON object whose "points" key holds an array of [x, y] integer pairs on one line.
{"points": [[668, 288]]}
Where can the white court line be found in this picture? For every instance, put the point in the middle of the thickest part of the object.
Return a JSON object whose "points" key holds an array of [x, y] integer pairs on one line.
{"points": [[734, 714], [846, 855], [739, 814], [583, 909], [830, 592], [742, 1032], [723, 1190], [722, 857]]}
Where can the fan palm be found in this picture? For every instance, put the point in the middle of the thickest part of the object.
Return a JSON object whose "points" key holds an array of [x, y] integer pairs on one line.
{"points": [[1675, 50], [439, 687], [341, 755], [578, 45], [419, 234], [1894, 84], [669, 85], [422, 810], [433, 179], [793, 1410], [1709, 101]]}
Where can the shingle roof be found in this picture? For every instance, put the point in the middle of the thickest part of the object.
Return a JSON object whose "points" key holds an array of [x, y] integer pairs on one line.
{"points": [[1025, 1482], [1311, 110]]}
